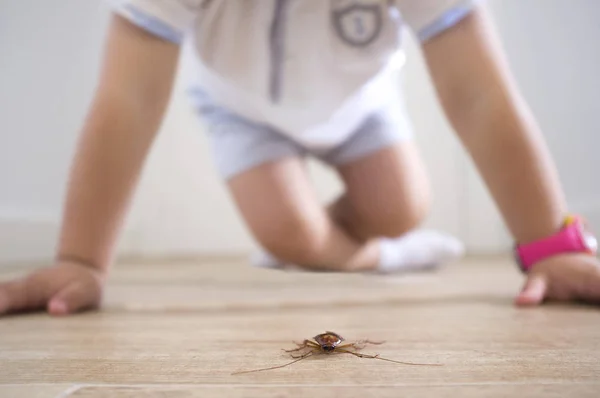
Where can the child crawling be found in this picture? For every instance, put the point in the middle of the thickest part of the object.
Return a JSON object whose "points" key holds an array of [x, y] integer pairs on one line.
{"points": [[279, 80]]}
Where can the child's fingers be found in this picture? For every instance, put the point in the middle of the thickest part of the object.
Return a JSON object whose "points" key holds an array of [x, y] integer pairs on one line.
{"points": [[74, 297], [590, 283], [22, 295], [4, 304], [533, 291]]}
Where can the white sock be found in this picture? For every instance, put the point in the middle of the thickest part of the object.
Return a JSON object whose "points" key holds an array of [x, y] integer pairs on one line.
{"points": [[263, 259], [418, 250]]}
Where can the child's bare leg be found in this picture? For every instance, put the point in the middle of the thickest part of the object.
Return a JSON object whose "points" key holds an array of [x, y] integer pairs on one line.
{"points": [[387, 198], [387, 193], [282, 211]]}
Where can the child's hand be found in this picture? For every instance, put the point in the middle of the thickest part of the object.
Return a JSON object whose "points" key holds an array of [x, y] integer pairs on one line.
{"points": [[565, 278], [62, 289]]}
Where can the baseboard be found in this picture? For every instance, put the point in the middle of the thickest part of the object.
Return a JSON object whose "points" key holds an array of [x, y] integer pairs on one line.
{"points": [[32, 240], [26, 241]]}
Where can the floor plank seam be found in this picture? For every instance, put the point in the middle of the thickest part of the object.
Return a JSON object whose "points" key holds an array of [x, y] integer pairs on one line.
{"points": [[77, 387], [70, 390]]}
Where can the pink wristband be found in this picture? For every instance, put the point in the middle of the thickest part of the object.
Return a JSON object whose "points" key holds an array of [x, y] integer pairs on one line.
{"points": [[572, 238]]}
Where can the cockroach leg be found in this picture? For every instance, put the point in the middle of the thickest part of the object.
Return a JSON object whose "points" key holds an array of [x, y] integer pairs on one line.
{"points": [[356, 354], [360, 344], [303, 345], [312, 351], [277, 367]]}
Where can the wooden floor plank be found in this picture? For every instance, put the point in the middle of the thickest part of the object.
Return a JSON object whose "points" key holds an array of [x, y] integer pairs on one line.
{"points": [[464, 391], [36, 391]]}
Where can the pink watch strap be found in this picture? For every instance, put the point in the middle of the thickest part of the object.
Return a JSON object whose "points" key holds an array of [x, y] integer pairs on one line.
{"points": [[568, 239]]}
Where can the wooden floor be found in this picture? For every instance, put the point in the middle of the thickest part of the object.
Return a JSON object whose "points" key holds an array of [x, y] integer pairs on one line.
{"points": [[181, 329]]}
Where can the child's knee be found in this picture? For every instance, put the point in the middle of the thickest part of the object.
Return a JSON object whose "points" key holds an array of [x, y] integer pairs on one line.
{"points": [[396, 221], [295, 241]]}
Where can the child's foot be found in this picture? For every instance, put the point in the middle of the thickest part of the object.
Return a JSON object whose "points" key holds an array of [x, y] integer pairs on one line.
{"points": [[416, 250], [264, 259]]}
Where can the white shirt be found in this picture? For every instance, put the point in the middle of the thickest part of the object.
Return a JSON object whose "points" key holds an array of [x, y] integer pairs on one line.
{"points": [[313, 69]]}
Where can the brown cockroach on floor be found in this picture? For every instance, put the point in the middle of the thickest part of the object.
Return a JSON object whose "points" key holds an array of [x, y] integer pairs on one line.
{"points": [[330, 343]]}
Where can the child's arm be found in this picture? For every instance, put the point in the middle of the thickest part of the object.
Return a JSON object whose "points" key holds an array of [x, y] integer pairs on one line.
{"points": [[131, 97], [494, 123], [128, 107], [482, 102]]}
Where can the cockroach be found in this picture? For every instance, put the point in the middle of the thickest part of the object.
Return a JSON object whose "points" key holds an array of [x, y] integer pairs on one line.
{"points": [[330, 343]]}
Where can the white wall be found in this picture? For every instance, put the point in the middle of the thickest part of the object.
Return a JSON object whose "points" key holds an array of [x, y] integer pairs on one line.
{"points": [[553, 48], [48, 65], [47, 74]]}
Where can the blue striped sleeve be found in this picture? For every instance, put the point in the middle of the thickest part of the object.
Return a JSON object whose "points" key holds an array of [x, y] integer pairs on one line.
{"points": [[445, 21], [152, 24], [167, 19], [429, 18]]}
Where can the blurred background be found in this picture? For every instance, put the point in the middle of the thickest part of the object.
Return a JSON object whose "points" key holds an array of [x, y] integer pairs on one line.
{"points": [[49, 60]]}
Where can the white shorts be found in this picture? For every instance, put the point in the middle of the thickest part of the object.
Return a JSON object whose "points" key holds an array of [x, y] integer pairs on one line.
{"points": [[239, 144]]}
